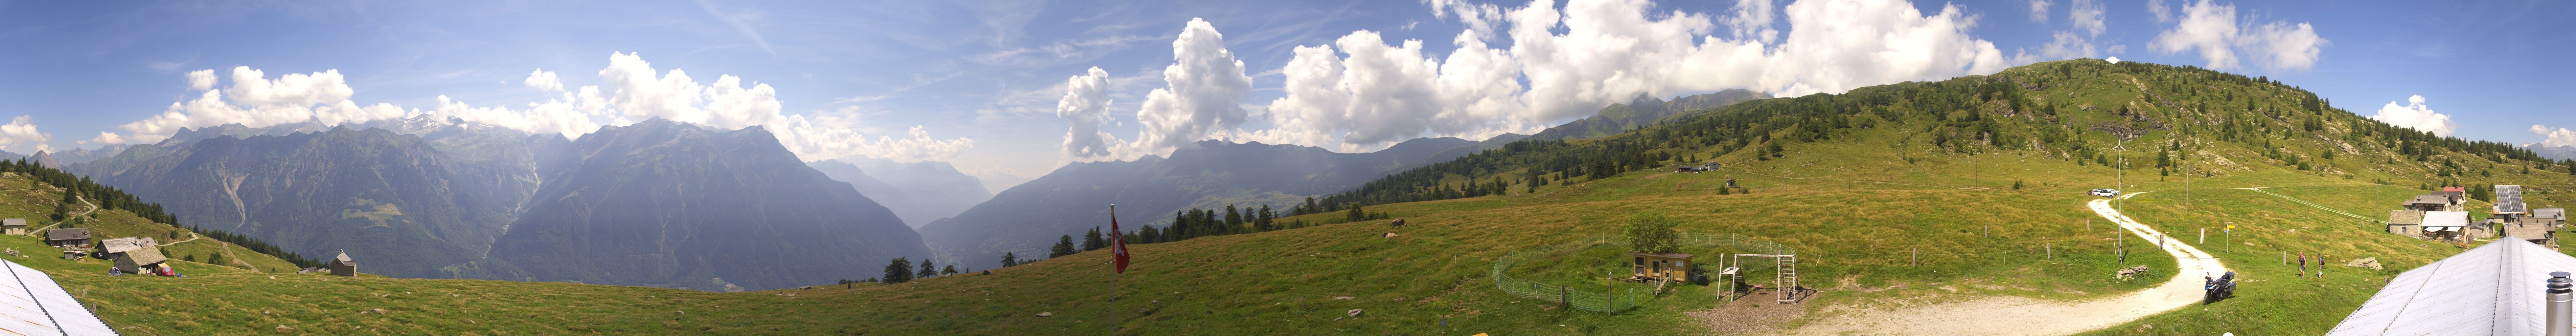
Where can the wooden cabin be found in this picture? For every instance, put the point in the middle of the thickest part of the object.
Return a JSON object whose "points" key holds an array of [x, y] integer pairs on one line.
{"points": [[67, 238], [13, 226], [133, 254], [1659, 266], [342, 266]]}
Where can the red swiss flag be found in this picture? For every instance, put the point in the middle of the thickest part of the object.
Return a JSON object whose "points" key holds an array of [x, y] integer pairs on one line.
{"points": [[1117, 244]]}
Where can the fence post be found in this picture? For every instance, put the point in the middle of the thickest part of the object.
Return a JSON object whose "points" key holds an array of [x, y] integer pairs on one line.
{"points": [[1564, 298], [1914, 258], [2051, 249]]}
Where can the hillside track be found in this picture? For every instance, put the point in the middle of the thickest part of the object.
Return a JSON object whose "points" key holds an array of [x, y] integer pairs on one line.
{"points": [[2311, 205], [2027, 316], [38, 232]]}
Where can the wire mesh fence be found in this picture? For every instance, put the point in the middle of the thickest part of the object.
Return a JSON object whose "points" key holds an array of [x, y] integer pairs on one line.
{"points": [[1607, 300]]}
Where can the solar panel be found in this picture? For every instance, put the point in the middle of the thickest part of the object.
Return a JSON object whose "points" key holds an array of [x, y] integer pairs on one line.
{"points": [[2509, 199]]}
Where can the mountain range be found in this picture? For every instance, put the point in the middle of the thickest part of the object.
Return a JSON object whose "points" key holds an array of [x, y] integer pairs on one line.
{"points": [[667, 204], [919, 192], [389, 197], [2552, 152], [1206, 174], [424, 197]]}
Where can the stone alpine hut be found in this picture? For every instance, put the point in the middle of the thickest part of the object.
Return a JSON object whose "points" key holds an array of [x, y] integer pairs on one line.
{"points": [[133, 254], [342, 266]]}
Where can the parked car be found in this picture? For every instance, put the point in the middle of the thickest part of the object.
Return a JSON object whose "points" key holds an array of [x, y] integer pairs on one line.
{"points": [[2105, 192]]}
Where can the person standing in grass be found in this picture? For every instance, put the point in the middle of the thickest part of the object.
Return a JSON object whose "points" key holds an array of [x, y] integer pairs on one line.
{"points": [[2303, 265]]}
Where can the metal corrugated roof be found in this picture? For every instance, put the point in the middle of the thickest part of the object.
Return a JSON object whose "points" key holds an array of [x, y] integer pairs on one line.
{"points": [[2491, 290], [32, 304], [2446, 218]]}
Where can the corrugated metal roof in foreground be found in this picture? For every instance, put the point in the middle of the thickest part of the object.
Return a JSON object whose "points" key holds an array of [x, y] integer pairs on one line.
{"points": [[2491, 290], [32, 304]]}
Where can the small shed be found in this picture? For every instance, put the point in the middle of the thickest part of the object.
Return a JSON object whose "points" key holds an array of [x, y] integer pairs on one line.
{"points": [[342, 266], [67, 238], [1659, 266], [13, 226]]}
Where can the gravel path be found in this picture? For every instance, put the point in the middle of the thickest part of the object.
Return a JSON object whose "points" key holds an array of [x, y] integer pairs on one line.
{"points": [[2027, 316]]}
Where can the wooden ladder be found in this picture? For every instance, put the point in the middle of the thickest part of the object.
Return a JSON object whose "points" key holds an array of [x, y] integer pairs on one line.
{"points": [[1788, 278]]}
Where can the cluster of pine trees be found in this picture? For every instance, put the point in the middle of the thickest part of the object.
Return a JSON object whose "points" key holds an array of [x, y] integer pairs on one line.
{"points": [[110, 198], [900, 270]]}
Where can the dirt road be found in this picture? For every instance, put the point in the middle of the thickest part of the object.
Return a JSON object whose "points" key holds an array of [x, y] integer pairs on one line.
{"points": [[2027, 316]]}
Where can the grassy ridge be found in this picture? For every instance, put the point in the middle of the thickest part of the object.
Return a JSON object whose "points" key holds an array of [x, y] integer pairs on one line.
{"points": [[1857, 202]]}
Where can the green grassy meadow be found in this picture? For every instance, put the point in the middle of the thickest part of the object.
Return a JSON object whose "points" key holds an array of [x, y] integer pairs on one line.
{"points": [[1902, 209]]}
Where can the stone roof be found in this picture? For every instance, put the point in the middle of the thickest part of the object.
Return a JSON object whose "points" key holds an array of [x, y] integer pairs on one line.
{"points": [[2430, 199], [13, 222], [67, 234], [2529, 228], [142, 257], [343, 259], [120, 245], [2406, 217], [2550, 213]]}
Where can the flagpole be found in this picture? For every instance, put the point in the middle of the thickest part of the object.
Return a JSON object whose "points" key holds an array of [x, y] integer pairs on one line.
{"points": [[1113, 274]]}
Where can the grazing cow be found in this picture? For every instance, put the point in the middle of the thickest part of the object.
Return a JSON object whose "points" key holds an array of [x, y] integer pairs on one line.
{"points": [[1399, 222]]}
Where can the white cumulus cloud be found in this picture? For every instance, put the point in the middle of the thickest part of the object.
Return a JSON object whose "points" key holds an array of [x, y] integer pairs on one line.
{"points": [[21, 136], [2416, 116], [2225, 40], [543, 80], [1362, 92], [201, 79], [2554, 137], [1207, 88], [1086, 106]]}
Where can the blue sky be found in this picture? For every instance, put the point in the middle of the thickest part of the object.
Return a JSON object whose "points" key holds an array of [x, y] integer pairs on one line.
{"points": [[985, 84]]}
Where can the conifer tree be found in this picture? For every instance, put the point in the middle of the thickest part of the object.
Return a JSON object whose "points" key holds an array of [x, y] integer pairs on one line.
{"points": [[898, 271], [926, 270], [1009, 259], [1092, 241], [949, 270], [1063, 247]]}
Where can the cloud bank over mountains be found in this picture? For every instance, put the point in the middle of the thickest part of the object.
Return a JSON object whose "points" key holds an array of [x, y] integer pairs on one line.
{"points": [[1562, 62], [631, 90], [1362, 92]]}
